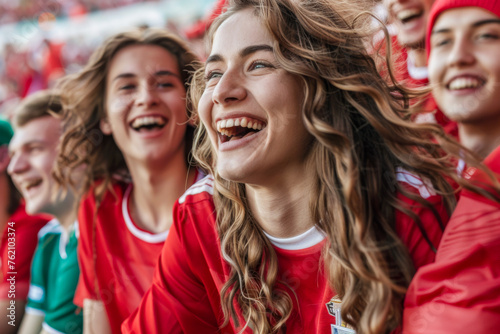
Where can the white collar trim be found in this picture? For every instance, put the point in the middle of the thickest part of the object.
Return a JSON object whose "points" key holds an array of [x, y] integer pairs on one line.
{"points": [[310, 238], [143, 235], [65, 236], [417, 73]]}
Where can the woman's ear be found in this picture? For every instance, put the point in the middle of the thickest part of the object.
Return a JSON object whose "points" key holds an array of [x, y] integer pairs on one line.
{"points": [[105, 126]]}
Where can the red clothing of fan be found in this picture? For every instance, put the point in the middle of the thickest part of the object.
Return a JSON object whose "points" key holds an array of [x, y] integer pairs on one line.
{"points": [[185, 295], [23, 229], [126, 255], [461, 290]]}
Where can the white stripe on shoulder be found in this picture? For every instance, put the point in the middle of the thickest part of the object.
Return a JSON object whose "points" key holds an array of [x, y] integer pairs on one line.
{"points": [[460, 167], [52, 226], [204, 185], [49, 329], [424, 186], [34, 311]]}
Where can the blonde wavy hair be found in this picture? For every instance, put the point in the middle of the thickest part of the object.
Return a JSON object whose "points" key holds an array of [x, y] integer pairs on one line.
{"points": [[362, 130], [83, 99]]}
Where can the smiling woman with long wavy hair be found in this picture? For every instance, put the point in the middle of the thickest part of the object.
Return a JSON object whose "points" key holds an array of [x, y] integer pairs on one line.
{"points": [[326, 197]]}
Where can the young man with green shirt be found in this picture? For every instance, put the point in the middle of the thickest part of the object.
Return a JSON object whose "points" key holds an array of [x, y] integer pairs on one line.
{"points": [[54, 271]]}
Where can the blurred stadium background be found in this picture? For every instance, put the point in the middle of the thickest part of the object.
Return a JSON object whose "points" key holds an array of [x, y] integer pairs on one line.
{"points": [[41, 40]]}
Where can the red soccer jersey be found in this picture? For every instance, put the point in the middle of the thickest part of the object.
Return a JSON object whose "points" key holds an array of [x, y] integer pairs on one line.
{"points": [[461, 290], [126, 255], [22, 230], [185, 295]]}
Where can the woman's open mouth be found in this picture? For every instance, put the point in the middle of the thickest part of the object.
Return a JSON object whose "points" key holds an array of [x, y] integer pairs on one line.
{"points": [[238, 128]]}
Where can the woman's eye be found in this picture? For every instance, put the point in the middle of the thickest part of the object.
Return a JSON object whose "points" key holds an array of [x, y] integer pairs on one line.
{"points": [[165, 84], [212, 75], [487, 36], [34, 149], [259, 64], [441, 42], [126, 87]]}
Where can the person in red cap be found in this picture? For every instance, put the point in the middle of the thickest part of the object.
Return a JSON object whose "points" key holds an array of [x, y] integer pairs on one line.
{"points": [[461, 290]]}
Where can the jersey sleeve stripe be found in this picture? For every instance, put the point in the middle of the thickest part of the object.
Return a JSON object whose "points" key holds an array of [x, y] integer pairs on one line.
{"points": [[204, 185], [34, 311], [424, 187], [50, 330]]}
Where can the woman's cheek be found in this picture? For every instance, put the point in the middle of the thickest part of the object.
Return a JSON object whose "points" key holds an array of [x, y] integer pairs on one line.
{"points": [[205, 108], [120, 103]]}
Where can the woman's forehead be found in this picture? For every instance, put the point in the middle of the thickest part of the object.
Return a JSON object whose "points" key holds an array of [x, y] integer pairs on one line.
{"points": [[462, 18], [240, 30]]}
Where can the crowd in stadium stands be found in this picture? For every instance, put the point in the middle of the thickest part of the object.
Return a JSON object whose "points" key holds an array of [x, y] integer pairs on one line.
{"points": [[266, 170], [12, 11], [27, 69]]}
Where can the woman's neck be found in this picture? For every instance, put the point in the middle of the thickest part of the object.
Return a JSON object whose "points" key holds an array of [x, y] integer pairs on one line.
{"points": [[67, 219], [155, 192], [482, 138], [283, 209], [66, 210], [418, 57]]}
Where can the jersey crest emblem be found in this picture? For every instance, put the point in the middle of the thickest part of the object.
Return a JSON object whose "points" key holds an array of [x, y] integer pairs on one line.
{"points": [[340, 327]]}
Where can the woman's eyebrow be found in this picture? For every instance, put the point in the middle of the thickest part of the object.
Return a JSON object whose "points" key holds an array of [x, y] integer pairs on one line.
{"points": [[159, 73], [165, 73], [243, 53], [213, 58], [254, 48], [473, 25], [483, 22], [124, 75]]}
